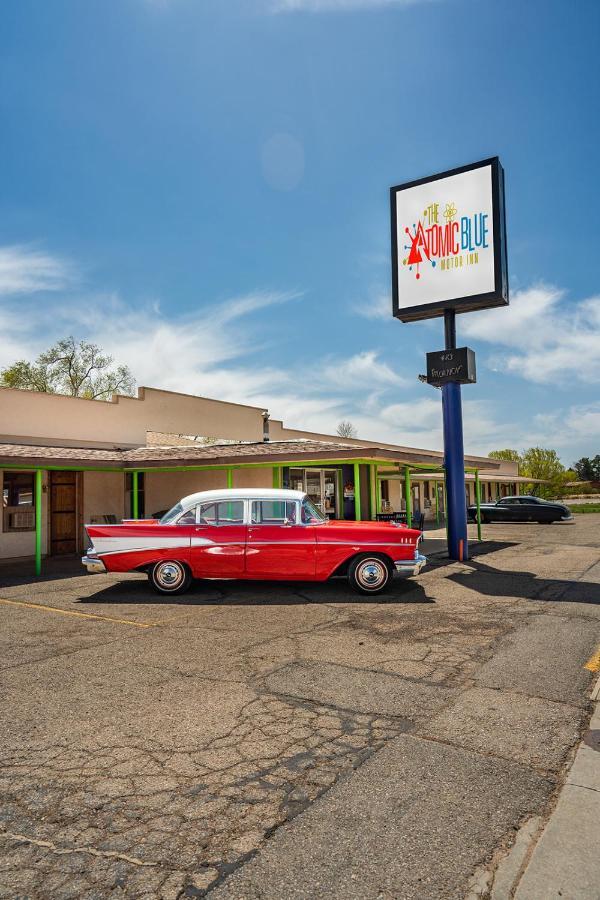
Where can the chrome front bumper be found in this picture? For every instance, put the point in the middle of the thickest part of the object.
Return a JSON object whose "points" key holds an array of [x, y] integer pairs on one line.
{"points": [[93, 565], [411, 566]]}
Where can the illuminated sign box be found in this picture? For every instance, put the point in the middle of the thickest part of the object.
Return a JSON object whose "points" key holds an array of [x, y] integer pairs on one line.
{"points": [[444, 366], [449, 242]]}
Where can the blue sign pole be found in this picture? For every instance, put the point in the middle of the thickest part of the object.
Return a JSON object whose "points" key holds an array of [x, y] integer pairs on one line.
{"points": [[454, 456]]}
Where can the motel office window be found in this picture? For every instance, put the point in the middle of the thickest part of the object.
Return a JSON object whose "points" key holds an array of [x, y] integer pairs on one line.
{"points": [[18, 503]]}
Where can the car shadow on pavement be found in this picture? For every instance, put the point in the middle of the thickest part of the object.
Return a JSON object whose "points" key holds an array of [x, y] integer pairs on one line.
{"points": [[258, 593], [526, 585]]}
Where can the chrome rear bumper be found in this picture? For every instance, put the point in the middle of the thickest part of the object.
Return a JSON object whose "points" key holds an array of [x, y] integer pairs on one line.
{"points": [[411, 566], [93, 565]]}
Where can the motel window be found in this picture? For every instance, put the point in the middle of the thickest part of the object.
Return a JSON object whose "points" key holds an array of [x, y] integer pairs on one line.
{"points": [[18, 504]]}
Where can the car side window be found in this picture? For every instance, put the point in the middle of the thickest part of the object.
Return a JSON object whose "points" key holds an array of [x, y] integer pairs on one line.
{"points": [[510, 501], [188, 518], [222, 512], [273, 512]]}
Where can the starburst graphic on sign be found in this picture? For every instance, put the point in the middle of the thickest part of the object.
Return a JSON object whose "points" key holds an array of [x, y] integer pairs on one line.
{"points": [[450, 211]]}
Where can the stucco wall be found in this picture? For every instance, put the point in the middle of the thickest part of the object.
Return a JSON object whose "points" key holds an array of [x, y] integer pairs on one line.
{"points": [[250, 478], [62, 421], [22, 543], [395, 488], [164, 489], [56, 420], [103, 494]]}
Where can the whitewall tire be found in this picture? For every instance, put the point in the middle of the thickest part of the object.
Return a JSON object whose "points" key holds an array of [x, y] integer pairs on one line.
{"points": [[169, 576], [369, 574]]}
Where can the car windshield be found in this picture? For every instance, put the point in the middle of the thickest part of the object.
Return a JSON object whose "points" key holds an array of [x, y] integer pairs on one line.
{"points": [[172, 514], [310, 514]]}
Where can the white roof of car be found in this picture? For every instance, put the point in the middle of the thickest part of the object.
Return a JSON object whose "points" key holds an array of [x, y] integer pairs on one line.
{"points": [[241, 494]]}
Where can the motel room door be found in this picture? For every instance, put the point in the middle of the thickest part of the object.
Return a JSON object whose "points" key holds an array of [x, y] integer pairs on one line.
{"points": [[64, 513]]}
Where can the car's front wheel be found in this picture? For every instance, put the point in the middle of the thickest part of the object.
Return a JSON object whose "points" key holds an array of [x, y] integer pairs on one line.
{"points": [[169, 577], [369, 574]]}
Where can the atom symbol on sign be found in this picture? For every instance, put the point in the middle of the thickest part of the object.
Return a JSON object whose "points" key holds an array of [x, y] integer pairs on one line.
{"points": [[450, 211]]}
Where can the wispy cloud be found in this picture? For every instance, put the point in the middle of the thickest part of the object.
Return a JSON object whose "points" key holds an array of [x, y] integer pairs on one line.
{"points": [[231, 350], [541, 336], [26, 270], [378, 305], [361, 371]]}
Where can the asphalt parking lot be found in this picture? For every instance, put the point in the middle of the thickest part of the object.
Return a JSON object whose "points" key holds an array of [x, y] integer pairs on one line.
{"points": [[253, 740]]}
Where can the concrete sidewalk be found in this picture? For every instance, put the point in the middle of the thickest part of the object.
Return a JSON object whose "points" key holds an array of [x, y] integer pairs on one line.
{"points": [[559, 858]]}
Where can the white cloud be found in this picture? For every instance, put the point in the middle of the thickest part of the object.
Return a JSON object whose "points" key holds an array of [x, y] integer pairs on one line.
{"points": [[25, 270], [546, 338], [377, 306], [222, 351], [358, 372]]}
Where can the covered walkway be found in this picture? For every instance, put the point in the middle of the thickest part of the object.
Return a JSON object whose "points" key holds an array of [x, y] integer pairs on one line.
{"points": [[111, 484]]}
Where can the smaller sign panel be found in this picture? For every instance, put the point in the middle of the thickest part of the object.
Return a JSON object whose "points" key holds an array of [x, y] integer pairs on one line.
{"points": [[456, 365], [449, 242]]}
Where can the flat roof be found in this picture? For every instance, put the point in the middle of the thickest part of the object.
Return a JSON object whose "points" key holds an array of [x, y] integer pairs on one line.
{"points": [[243, 453]]}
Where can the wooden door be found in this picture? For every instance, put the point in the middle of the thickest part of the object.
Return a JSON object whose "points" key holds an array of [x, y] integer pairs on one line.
{"points": [[63, 513]]}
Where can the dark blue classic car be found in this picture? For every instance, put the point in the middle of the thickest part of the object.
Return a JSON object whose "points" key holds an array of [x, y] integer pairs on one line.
{"points": [[521, 509]]}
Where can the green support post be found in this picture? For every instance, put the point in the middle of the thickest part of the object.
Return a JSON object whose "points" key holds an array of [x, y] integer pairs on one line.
{"points": [[478, 502], [38, 521], [437, 503], [135, 495], [276, 477], [357, 510], [407, 496], [373, 487], [230, 477]]}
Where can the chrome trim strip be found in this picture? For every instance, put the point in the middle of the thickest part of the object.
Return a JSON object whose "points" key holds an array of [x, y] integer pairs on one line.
{"points": [[101, 553]]}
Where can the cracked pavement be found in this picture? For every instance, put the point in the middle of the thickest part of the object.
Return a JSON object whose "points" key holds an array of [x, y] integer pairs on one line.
{"points": [[265, 740]]}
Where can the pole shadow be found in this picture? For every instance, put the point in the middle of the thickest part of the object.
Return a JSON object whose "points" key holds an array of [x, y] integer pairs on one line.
{"points": [[526, 585]]}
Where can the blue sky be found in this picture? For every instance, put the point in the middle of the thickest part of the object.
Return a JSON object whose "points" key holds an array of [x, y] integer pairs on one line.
{"points": [[201, 186]]}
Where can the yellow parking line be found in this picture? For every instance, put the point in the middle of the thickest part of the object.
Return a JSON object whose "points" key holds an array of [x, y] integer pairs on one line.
{"points": [[72, 612], [593, 663]]}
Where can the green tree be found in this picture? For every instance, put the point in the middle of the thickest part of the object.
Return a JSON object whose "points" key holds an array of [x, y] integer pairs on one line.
{"points": [[584, 468], [538, 462], [71, 367]]}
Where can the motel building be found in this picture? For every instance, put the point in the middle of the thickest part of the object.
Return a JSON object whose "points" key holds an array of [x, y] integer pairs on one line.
{"points": [[66, 461]]}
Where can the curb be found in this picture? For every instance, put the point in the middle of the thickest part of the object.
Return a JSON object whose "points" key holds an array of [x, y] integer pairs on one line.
{"points": [[539, 863]]}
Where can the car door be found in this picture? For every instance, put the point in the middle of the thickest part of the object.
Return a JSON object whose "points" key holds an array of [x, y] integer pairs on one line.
{"points": [[218, 542], [538, 511], [278, 546], [507, 510], [528, 510]]}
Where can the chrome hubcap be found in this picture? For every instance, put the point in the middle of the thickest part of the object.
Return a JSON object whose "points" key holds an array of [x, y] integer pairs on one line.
{"points": [[372, 573], [168, 575]]}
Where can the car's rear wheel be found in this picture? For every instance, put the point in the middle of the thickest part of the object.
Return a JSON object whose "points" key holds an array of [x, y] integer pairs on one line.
{"points": [[369, 574], [169, 576]]}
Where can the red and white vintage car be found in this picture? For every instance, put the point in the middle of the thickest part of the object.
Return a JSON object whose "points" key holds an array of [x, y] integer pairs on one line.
{"points": [[253, 534]]}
